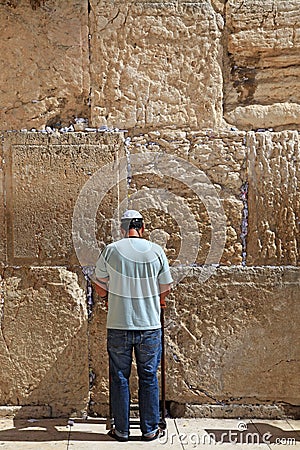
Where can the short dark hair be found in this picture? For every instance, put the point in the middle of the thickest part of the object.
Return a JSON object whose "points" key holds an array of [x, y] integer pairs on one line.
{"points": [[128, 224]]}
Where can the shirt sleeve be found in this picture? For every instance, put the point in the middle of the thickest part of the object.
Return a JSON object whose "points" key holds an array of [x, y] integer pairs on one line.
{"points": [[164, 276], [100, 269]]}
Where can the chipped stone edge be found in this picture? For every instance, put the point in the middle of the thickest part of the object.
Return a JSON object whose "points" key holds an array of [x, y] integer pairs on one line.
{"points": [[26, 412], [234, 411]]}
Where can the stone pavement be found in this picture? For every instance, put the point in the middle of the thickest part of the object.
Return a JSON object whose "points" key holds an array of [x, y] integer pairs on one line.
{"points": [[90, 434]]}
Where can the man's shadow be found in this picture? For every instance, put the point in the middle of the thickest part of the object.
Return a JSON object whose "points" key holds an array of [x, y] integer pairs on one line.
{"points": [[255, 433], [54, 430]]}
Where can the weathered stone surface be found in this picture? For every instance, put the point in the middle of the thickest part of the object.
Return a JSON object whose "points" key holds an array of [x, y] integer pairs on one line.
{"points": [[2, 208], [40, 220], [238, 411], [224, 338], [148, 64], [191, 187], [44, 59], [262, 77], [43, 342], [274, 198], [169, 70], [98, 355], [278, 116], [156, 64], [263, 26], [44, 177], [26, 412]]}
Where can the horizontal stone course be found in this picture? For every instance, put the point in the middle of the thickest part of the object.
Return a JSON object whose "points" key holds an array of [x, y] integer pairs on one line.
{"points": [[143, 65]]}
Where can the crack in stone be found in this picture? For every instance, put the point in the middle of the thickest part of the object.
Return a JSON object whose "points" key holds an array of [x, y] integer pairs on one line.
{"points": [[110, 21], [282, 361], [244, 224], [199, 391], [2, 325]]}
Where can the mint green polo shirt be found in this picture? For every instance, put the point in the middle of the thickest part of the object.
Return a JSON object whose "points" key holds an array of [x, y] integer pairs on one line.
{"points": [[135, 268]]}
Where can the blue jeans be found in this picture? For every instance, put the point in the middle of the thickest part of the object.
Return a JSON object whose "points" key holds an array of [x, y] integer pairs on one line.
{"points": [[147, 349]]}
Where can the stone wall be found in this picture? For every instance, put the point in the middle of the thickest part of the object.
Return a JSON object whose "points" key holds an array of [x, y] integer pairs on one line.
{"points": [[262, 77], [189, 111], [149, 65]]}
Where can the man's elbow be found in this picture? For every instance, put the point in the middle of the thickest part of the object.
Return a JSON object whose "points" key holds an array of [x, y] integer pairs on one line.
{"points": [[165, 289]]}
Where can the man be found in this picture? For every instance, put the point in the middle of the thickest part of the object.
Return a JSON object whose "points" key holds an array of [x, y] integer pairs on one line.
{"points": [[134, 274]]}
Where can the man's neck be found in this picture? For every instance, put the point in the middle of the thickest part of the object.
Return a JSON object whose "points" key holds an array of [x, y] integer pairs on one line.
{"points": [[133, 233]]}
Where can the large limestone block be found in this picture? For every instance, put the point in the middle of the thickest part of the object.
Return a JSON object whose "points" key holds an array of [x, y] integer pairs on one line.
{"points": [[221, 156], [235, 338], [43, 340], [262, 80], [273, 198], [44, 63], [263, 25], [191, 191], [156, 64], [278, 116], [45, 175]]}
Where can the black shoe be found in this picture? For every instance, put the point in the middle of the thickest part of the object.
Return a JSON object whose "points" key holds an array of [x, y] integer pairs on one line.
{"points": [[152, 437], [113, 435]]}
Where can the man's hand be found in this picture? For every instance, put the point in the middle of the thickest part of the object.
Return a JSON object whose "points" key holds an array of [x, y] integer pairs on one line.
{"points": [[165, 290], [163, 304], [102, 291]]}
